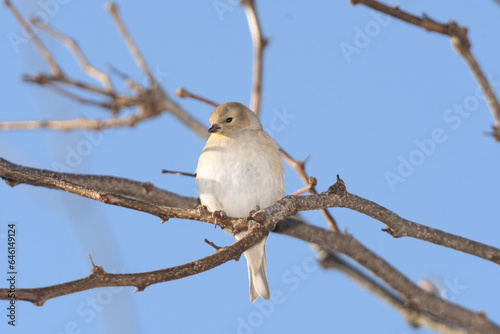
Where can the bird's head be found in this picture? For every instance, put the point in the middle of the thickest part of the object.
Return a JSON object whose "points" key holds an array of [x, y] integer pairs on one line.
{"points": [[231, 118]]}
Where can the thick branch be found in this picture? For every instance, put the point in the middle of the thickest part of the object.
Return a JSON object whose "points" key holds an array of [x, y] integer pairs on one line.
{"points": [[412, 294], [400, 227], [461, 43], [413, 316], [269, 218], [336, 196]]}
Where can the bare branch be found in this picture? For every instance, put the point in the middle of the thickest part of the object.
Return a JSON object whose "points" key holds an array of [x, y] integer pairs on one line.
{"points": [[300, 169], [79, 123], [259, 43], [150, 102], [459, 40], [88, 69], [182, 92], [113, 10], [413, 295], [413, 316], [56, 71], [100, 278], [145, 191], [400, 227], [336, 196], [268, 220]]}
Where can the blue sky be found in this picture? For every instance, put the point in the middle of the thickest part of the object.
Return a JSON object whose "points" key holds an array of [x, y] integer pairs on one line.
{"points": [[389, 108]]}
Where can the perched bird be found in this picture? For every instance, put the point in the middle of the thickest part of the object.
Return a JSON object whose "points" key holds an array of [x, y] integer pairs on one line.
{"points": [[239, 170]]}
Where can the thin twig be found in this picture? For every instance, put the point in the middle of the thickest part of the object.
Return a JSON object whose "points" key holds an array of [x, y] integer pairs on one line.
{"points": [[56, 71], [88, 69], [212, 244], [77, 98], [300, 169], [459, 40], [165, 171], [113, 10], [312, 182], [182, 92], [43, 79], [259, 43]]}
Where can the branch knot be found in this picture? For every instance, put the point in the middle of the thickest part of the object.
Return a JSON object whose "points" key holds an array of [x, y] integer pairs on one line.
{"points": [[338, 188]]}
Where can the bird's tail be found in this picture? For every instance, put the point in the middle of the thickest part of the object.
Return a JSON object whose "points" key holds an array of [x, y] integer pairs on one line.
{"points": [[256, 260]]}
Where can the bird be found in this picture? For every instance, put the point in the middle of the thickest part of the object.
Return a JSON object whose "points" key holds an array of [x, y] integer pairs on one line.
{"points": [[240, 170]]}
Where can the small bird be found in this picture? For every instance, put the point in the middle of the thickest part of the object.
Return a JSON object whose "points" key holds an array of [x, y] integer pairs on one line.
{"points": [[240, 170]]}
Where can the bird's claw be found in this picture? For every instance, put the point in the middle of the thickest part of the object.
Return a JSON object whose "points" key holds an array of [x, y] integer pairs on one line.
{"points": [[218, 216], [202, 209]]}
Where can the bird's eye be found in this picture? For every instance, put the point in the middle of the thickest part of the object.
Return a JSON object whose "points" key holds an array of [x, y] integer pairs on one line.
{"points": [[229, 119]]}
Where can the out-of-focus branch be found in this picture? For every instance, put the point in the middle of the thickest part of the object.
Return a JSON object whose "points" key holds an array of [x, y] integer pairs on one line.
{"points": [[112, 8], [149, 101], [460, 42], [71, 124], [182, 92], [259, 43], [72, 46], [56, 71]]}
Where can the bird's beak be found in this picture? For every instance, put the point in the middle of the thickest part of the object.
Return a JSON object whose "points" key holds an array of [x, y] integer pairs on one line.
{"points": [[215, 128]]}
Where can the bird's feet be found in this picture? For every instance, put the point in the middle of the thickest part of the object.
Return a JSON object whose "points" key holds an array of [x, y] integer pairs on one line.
{"points": [[218, 217], [202, 209], [251, 213]]}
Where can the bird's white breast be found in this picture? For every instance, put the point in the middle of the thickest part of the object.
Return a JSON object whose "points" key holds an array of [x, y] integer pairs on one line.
{"points": [[236, 175]]}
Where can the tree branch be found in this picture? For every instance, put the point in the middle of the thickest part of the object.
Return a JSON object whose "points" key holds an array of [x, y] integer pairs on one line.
{"points": [[56, 71], [150, 101], [100, 278], [459, 40], [267, 220], [72, 46], [259, 43], [413, 316], [336, 196], [134, 50], [413, 295], [300, 169]]}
